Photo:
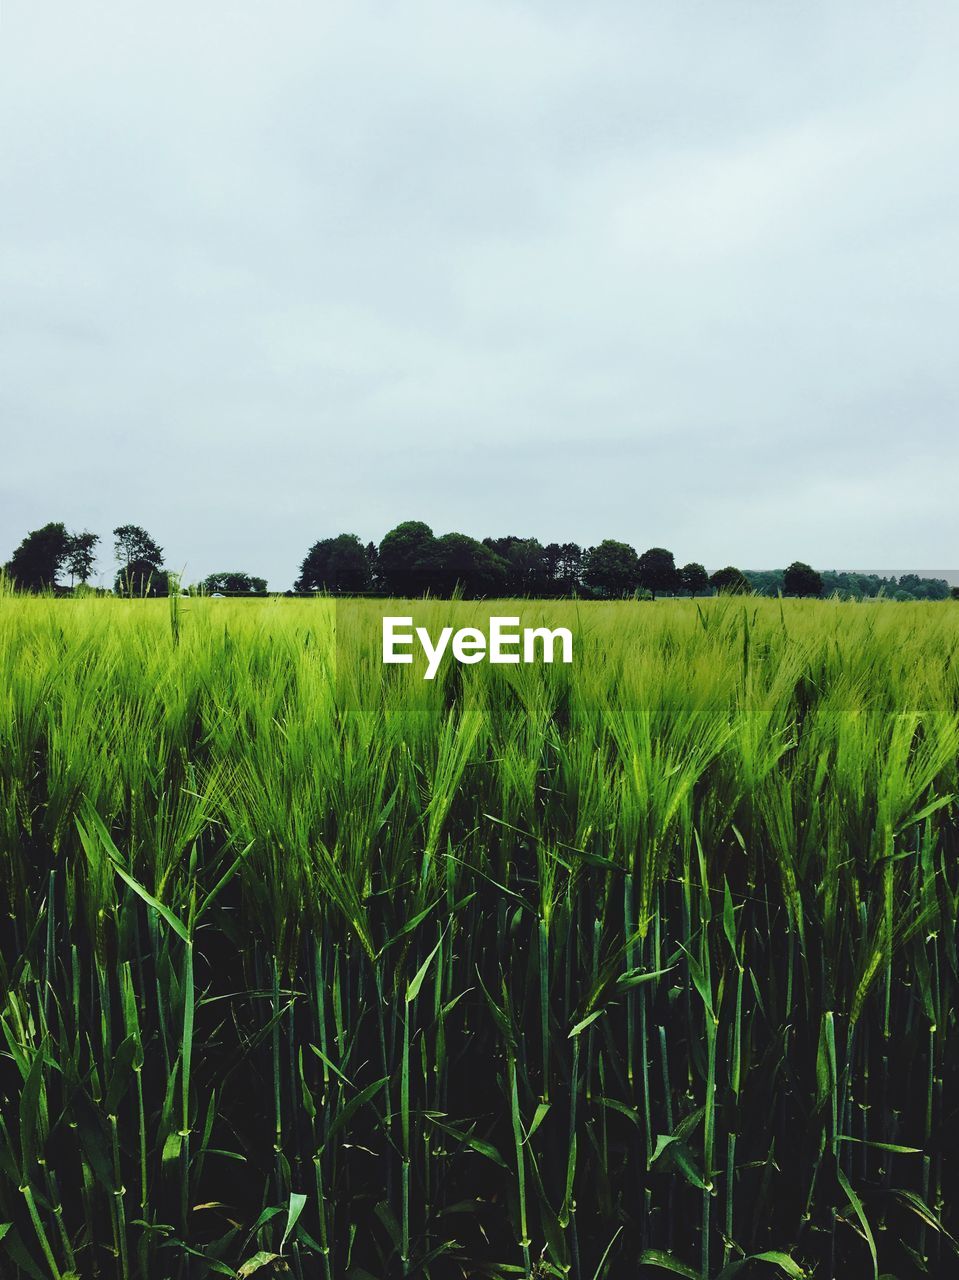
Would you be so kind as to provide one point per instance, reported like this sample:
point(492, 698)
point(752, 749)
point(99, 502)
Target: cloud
point(684, 275)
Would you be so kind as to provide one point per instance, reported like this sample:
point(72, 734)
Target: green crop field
point(647, 962)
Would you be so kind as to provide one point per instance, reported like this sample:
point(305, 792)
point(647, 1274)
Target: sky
point(683, 274)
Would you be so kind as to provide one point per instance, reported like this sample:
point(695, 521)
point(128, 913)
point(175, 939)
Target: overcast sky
point(679, 274)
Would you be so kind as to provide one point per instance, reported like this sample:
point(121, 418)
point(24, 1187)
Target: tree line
point(47, 555)
point(413, 561)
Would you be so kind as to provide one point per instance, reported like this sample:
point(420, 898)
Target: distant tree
point(858, 586)
point(141, 578)
point(404, 558)
point(570, 568)
point(141, 570)
point(337, 564)
point(801, 580)
point(729, 581)
point(502, 546)
point(854, 586)
point(132, 542)
point(924, 588)
point(373, 560)
point(81, 555)
point(37, 561)
point(842, 585)
point(611, 568)
point(527, 572)
point(694, 579)
point(457, 561)
point(764, 582)
point(657, 571)
point(954, 593)
point(552, 559)
point(529, 569)
point(229, 583)
point(560, 564)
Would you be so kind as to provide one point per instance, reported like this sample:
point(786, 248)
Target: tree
point(131, 542)
point(924, 588)
point(404, 558)
point(611, 568)
point(552, 559)
point(657, 571)
point(141, 578)
point(527, 572)
point(527, 569)
point(337, 564)
point(765, 582)
point(801, 580)
point(37, 561)
point(569, 571)
point(141, 563)
point(234, 583)
point(373, 560)
point(457, 561)
point(694, 578)
point(81, 555)
point(729, 581)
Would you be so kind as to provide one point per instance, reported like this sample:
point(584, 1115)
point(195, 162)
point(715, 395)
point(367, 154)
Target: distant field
point(645, 961)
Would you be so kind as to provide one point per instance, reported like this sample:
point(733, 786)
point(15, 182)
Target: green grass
point(591, 970)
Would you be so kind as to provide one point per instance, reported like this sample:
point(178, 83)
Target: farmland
point(642, 962)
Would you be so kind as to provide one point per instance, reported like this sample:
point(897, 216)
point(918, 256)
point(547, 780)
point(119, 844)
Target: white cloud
point(680, 274)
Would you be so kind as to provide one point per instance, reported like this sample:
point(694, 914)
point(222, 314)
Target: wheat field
point(642, 964)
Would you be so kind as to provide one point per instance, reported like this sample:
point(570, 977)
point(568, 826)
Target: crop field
point(641, 964)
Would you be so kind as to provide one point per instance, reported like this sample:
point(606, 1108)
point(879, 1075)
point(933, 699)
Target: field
point(596, 970)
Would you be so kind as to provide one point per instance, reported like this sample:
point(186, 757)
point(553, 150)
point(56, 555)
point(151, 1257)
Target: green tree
point(373, 560)
point(141, 570)
point(694, 579)
point(457, 561)
point(81, 555)
point(657, 571)
point(569, 570)
point(404, 557)
point(233, 583)
point(801, 580)
point(764, 582)
point(552, 559)
point(526, 562)
point(337, 564)
point(141, 578)
point(924, 588)
point(729, 581)
point(132, 542)
point(611, 568)
point(38, 560)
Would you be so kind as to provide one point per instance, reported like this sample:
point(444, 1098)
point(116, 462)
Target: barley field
point(640, 965)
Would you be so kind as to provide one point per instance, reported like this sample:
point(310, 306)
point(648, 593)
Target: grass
point(646, 963)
